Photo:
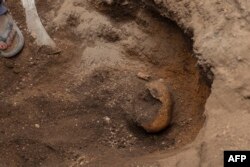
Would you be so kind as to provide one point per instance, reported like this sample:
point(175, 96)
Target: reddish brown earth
point(69, 107)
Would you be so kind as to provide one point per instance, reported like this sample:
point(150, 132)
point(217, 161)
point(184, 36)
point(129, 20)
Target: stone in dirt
point(107, 120)
point(144, 76)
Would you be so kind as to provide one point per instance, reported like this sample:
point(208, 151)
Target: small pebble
point(143, 76)
point(107, 120)
point(37, 125)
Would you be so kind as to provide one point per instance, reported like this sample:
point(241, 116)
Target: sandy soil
point(79, 105)
point(221, 38)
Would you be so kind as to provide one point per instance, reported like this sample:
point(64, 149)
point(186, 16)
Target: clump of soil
point(118, 9)
point(77, 106)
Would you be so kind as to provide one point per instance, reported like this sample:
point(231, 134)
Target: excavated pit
point(88, 98)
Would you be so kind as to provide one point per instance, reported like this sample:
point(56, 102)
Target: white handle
point(34, 24)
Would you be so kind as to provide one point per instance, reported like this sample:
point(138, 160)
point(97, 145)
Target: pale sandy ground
point(221, 32)
point(221, 38)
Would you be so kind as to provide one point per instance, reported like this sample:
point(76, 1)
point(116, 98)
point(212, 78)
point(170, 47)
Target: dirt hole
point(79, 106)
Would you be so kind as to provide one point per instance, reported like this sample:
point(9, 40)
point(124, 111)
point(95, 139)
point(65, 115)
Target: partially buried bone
point(162, 119)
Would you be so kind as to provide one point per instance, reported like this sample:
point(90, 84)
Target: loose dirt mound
point(78, 105)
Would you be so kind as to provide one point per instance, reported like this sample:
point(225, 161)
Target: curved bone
point(34, 24)
point(163, 118)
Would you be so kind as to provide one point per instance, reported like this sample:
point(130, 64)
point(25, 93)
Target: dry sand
point(221, 38)
point(72, 106)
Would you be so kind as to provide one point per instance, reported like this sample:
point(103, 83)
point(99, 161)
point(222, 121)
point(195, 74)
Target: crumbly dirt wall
point(221, 38)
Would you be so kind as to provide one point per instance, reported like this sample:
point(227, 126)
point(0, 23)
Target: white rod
point(34, 24)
